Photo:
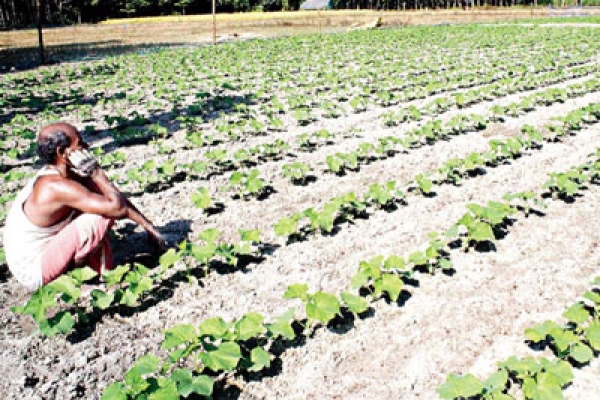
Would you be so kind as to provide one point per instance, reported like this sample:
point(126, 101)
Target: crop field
point(394, 214)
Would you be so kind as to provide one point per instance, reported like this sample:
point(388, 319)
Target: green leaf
point(62, 322)
point(188, 384)
point(296, 291)
point(394, 262)
point(116, 275)
point(249, 326)
point(581, 353)
point(215, 327)
point(481, 231)
point(169, 258)
point(179, 334)
point(355, 304)
point(282, 326)
point(81, 275)
point(522, 368)
point(201, 198)
point(147, 364)
point(592, 334)
point(592, 296)
point(67, 285)
point(101, 300)
point(460, 386)
point(359, 280)
point(540, 332)
point(445, 264)
point(392, 284)
point(166, 391)
point(250, 235)
point(417, 258)
point(209, 235)
point(562, 370)
point(496, 382)
point(546, 388)
point(577, 313)
point(224, 358)
point(322, 307)
point(260, 359)
point(114, 391)
point(285, 227)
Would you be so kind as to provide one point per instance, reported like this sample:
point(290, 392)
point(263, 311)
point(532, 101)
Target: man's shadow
point(130, 244)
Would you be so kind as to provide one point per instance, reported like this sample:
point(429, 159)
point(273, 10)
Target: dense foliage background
point(23, 13)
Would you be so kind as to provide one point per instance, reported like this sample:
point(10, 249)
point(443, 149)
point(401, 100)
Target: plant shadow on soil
point(340, 325)
point(135, 248)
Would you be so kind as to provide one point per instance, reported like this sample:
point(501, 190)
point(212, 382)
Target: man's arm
point(98, 195)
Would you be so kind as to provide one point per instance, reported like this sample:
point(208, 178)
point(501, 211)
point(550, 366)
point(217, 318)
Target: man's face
point(76, 141)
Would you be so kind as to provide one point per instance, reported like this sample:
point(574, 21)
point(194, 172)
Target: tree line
point(25, 13)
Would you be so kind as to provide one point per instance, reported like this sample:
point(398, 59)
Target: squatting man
point(60, 220)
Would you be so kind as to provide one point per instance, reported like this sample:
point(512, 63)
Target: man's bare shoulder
point(58, 186)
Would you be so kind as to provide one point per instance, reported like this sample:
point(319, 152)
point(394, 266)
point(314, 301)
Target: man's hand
point(157, 240)
point(83, 163)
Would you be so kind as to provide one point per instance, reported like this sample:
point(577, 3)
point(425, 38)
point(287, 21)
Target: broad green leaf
point(546, 388)
point(62, 322)
point(147, 364)
point(215, 327)
point(481, 231)
point(445, 264)
point(116, 275)
point(250, 326)
point(81, 275)
point(224, 358)
point(67, 285)
point(592, 296)
point(496, 382)
point(260, 359)
point(285, 227)
point(581, 353)
point(201, 198)
point(577, 314)
point(540, 332)
point(209, 235)
point(282, 326)
point(521, 367)
point(394, 261)
point(179, 334)
point(188, 384)
point(114, 391)
point(166, 391)
point(359, 280)
point(251, 235)
point(355, 304)
point(592, 334)
point(296, 291)
point(101, 300)
point(40, 301)
point(460, 386)
point(392, 284)
point(169, 258)
point(417, 258)
point(322, 307)
point(562, 370)
point(563, 339)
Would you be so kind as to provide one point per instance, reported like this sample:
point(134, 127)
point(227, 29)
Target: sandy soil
point(446, 324)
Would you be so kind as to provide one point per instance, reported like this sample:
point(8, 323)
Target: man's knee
point(92, 228)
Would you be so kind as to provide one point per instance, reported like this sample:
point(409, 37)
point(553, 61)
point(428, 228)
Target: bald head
point(53, 139)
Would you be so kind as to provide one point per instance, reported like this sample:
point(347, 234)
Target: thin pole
point(319, 18)
point(40, 38)
point(214, 13)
